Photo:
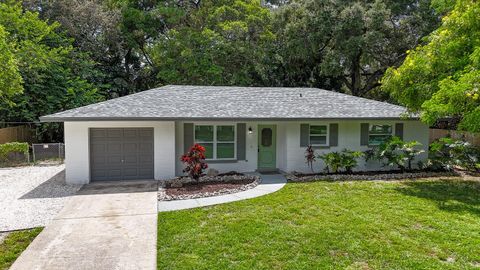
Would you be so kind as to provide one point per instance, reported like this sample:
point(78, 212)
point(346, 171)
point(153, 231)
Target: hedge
point(14, 147)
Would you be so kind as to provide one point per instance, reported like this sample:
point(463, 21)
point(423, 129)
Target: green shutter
point(399, 130)
point(304, 135)
point(364, 133)
point(241, 141)
point(187, 136)
point(333, 135)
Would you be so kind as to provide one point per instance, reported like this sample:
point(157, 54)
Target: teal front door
point(267, 147)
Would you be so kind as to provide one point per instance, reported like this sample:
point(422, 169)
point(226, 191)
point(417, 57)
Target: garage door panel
point(130, 147)
point(130, 133)
point(146, 133)
point(115, 174)
point(114, 133)
point(114, 147)
point(98, 133)
point(131, 160)
point(121, 153)
point(145, 159)
point(145, 172)
point(98, 148)
point(144, 147)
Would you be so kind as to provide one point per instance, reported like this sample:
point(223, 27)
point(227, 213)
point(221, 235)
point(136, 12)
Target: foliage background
point(57, 55)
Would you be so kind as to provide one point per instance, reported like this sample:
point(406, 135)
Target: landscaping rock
point(163, 196)
point(292, 177)
point(212, 172)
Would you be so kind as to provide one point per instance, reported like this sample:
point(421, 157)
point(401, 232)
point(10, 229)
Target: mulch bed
point(207, 187)
point(182, 188)
point(368, 175)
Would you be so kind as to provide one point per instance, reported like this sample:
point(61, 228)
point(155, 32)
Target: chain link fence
point(48, 152)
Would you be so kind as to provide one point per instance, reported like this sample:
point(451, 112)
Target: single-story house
point(244, 129)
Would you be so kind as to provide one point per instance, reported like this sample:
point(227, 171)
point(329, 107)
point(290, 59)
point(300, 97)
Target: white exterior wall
point(291, 157)
point(168, 144)
point(349, 138)
point(248, 165)
point(77, 156)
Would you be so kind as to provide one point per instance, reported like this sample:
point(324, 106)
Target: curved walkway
point(269, 184)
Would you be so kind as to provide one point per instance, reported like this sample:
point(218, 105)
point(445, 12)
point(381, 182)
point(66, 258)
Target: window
point(219, 141)
point(379, 133)
point(266, 137)
point(318, 135)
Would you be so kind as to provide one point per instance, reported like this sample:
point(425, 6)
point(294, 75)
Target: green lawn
point(14, 245)
point(331, 225)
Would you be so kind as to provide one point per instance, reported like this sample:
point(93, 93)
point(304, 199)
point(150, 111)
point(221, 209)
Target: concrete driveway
point(109, 225)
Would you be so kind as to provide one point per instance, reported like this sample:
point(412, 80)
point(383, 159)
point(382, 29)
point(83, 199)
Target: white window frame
point(215, 141)
point(327, 135)
point(391, 134)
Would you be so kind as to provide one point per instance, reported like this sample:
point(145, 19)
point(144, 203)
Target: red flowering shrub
point(194, 161)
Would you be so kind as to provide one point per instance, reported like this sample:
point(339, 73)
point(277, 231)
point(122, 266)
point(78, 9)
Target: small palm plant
point(310, 157)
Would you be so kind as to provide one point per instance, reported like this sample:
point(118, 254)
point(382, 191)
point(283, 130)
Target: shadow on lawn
point(450, 195)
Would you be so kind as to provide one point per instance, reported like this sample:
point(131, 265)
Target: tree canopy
point(57, 54)
point(46, 73)
point(442, 78)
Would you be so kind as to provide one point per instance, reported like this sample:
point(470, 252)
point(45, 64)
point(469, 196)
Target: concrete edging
point(269, 184)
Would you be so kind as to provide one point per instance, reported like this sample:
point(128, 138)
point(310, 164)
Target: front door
point(267, 147)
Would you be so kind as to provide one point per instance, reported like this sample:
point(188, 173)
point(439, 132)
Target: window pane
point(380, 129)
point(208, 150)
point(377, 139)
point(225, 133)
point(267, 137)
point(204, 133)
point(318, 130)
point(225, 150)
point(318, 140)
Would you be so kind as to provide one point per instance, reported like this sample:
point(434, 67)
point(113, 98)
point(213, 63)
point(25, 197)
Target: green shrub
point(346, 160)
point(395, 152)
point(14, 147)
point(447, 152)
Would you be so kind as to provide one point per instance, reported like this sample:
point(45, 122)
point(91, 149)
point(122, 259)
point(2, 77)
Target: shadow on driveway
point(55, 187)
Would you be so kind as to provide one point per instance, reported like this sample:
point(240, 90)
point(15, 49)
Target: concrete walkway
point(110, 225)
point(269, 184)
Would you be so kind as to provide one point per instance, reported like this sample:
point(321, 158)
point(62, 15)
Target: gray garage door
point(121, 153)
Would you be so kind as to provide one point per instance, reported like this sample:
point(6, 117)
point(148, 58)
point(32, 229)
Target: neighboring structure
point(142, 136)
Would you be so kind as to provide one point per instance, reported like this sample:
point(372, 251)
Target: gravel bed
point(368, 176)
point(163, 196)
point(31, 196)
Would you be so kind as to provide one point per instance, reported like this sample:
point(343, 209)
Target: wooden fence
point(473, 138)
point(17, 134)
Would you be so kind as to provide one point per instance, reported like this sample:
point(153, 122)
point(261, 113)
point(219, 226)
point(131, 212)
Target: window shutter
point(364, 133)
point(333, 135)
point(304, 135)
point(187, 136)
point(241, 141)
point(399, 130)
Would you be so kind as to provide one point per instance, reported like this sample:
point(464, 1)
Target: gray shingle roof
point(218, 102)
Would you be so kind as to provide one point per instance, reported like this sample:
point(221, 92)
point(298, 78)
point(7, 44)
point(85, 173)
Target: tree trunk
point(355, 76)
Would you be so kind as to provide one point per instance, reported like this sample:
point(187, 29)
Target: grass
point(14, 244)
point(421, 224)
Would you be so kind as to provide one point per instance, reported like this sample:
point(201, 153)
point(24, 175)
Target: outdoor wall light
point(250, 131)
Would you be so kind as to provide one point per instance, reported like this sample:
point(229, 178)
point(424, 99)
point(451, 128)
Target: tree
point(54, 76)
point(442, 78)
point(10, 78)
point(214, 43)
point(340, 44)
